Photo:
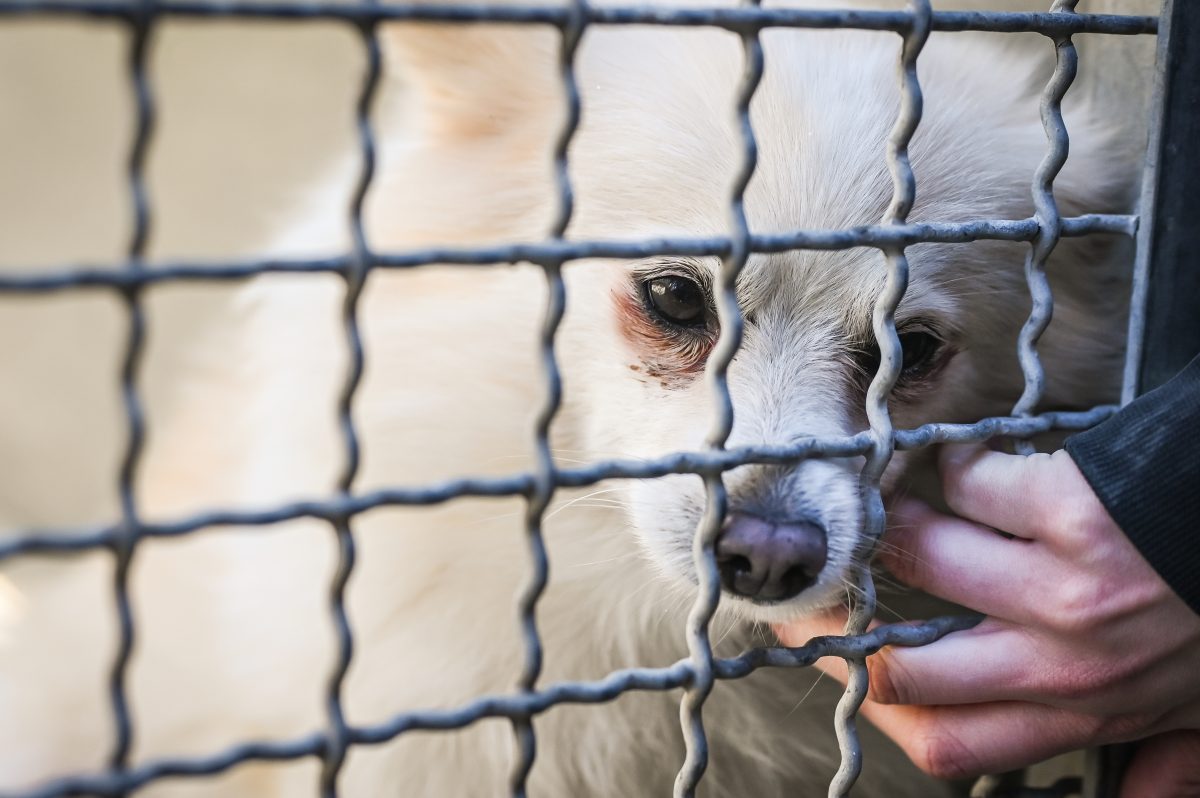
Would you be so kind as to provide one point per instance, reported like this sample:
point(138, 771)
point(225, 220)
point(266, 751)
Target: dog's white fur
point(234, 636)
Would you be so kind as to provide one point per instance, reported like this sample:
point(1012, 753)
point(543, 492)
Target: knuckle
point(1092, 684)
point(1034, 469)
point(1071, 523)
point(1073, 519)
point(940, 753)
point(1122, 727)
point(1037, 467)
point(1082, 685)
point(1077, 606)
point(1088, 730)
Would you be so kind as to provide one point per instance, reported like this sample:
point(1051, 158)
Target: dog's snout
point(768, 561)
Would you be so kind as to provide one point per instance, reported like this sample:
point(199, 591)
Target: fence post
point(1164, 324)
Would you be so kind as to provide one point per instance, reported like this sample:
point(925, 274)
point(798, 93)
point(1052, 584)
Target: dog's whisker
point(628, 555)
point(803, 698)
point(734, 622)
point(894, 613)
point(586, 497)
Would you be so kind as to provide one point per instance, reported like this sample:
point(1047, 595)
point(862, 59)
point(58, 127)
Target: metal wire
point(542, 252)
point(124, 541)
point(503, 706)
point(1049, 221)
point(698, 673)
point(891, 359)
point(545, 477)
point(740, 19)
point(731, 324)
point(83, 539)
point(355, 277)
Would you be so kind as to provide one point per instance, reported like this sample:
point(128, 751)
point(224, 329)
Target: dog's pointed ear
point(476, 80)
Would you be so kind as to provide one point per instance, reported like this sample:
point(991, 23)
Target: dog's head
point(656, 155)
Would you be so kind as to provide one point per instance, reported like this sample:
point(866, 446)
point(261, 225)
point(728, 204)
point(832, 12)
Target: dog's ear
point(476, 80)
point(467, 131)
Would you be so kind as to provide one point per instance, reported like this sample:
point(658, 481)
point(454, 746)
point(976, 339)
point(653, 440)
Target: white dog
point(234, 635)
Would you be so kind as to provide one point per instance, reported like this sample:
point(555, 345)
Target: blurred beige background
point(248, 114)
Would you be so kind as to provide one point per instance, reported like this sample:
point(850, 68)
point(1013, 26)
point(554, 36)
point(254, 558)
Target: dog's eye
point(678, 300)
point(923, 353)
point(920, 352)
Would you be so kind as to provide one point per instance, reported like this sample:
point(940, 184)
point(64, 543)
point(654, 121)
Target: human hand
point(1083, 643)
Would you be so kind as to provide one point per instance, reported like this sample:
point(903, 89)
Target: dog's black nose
point(768, 561)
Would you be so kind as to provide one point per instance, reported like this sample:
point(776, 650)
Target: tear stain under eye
point(675, 358)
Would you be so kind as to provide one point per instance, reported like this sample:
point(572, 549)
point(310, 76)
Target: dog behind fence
point(698, 674)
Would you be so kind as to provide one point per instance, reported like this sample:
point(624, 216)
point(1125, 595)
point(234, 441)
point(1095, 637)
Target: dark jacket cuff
point(1144, 465)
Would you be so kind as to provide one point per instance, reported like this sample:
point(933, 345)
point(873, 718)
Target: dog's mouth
point(811, 601)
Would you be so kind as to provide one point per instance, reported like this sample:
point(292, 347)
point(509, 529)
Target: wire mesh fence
point(697, 674)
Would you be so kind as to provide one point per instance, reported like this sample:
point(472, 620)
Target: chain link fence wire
point(697, 674)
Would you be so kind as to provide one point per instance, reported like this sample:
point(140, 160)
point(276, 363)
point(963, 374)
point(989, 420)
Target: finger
point(1004, 491)
point(986, 663)
point(990, 662)
point(1166, 766)
point(962, 741)
point(965, 563)
point(999, 661)
point(971, 739)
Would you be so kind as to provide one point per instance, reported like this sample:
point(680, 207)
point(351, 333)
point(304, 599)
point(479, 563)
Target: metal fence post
point(1164, 326)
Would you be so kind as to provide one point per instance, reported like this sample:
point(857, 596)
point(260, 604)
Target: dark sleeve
point(1144, 464)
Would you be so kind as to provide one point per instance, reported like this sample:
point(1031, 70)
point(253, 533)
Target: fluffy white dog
point(235, 640)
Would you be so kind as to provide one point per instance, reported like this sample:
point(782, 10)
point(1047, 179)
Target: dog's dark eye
point(923, 352)
point(678, 300)
point(920, 352)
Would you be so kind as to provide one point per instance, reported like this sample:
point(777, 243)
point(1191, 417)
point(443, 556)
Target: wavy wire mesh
point(697, 674)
